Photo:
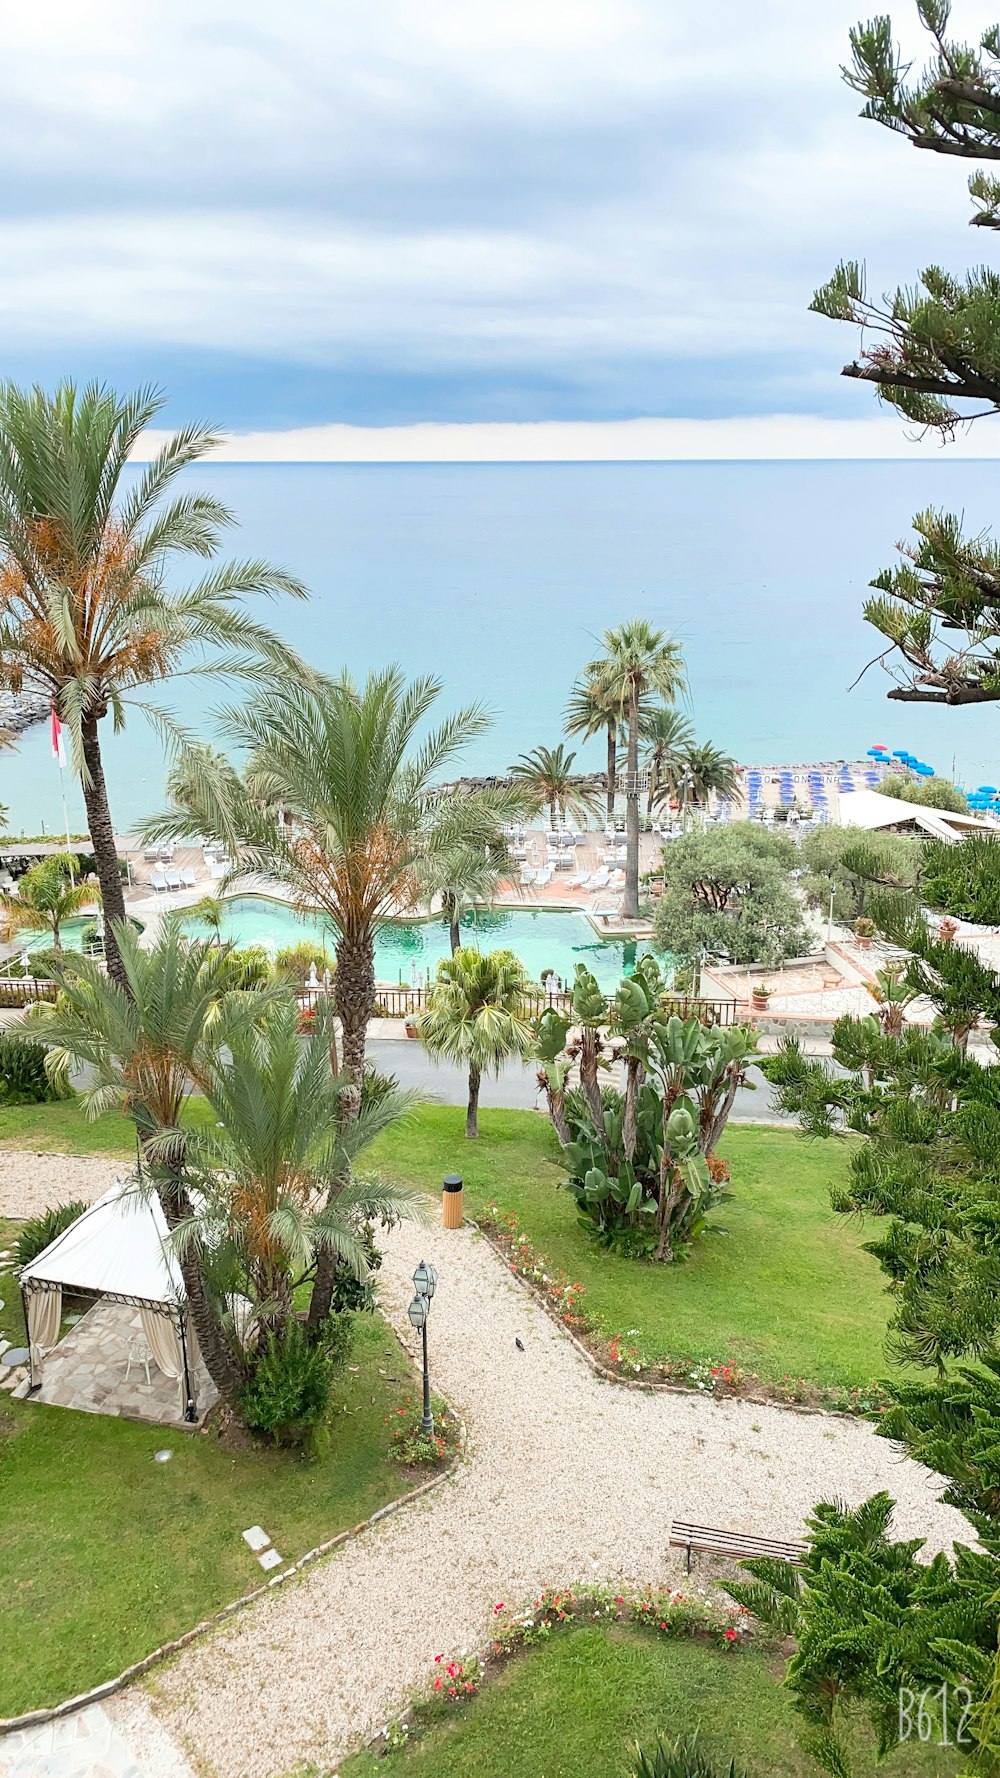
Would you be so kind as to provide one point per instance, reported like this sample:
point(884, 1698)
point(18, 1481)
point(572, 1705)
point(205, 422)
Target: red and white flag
point(58, 750)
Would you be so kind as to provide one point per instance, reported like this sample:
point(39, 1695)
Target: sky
point(462, 227)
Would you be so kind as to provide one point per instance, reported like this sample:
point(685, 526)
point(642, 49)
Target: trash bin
point(452, 1200)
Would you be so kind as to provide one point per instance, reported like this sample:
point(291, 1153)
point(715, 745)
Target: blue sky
point(472, 211)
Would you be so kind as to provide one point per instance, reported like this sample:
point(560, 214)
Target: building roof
point(871, 810)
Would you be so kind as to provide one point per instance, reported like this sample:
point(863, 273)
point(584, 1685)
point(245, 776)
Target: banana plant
point(551, 1032)
point(591, 1014)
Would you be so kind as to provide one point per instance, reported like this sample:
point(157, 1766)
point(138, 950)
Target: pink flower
point(439, 1657)
point(438, 1683)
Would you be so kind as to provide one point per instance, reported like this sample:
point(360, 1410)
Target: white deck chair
point(188, 879)
point(158, 882)
point(173, 878)
point(600, 879)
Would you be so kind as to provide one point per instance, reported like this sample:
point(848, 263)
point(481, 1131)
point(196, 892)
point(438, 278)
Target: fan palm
point(147, 1047)
point(667, 737)
point(546, 773)
point(47, 897)
point(638, 662)
point(273, 1175)
point(85, 613)
point(479, 1015)
point(365, 818)
point(592, 710)
point(706, 768)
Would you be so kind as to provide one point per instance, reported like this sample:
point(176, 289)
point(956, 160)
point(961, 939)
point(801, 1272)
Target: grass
point(106, 1554)
point(577, 1704)
point(62, 1128)
point(788, 1292)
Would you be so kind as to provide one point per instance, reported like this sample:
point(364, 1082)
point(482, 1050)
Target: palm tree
point(366, 818)
point(667, 736)
point(706, 768)
point(209, 912)
point(462, 878)
point(547, 774)
point(47, 897)
point(85, 613)
point(639, 662)
point(478, 1014)
point(275, 1152)
point(591, 710)
point(149, 1046)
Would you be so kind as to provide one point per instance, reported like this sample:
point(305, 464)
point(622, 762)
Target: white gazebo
point(119, 1252)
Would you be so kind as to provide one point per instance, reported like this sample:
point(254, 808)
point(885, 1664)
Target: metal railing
point(397, 1003)
point(24, 991)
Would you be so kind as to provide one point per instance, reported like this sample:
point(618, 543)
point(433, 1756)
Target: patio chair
point(580, 882)
point(188, 879)
point(137, 1353)
point(173, 879)
point(219, 868)
point(600, 879)
point(158, 882)
point(544, 877)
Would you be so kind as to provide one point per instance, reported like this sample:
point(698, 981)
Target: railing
point(24, 991)
point(396, 1003)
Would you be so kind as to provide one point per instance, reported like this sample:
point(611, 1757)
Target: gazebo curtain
point(44, 1317)
point(163, 1337)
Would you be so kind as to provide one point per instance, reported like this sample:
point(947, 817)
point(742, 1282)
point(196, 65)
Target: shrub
point(23, 1080)
point(288, 1395)
point(349, 1291)
point(682, 1758)
point(36, 1234)
point(294, 960)
point(248, 967)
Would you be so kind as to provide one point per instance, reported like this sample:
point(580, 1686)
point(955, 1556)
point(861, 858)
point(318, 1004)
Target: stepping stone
point(15, 1355)
point(270, 1559)
point(257, 1538)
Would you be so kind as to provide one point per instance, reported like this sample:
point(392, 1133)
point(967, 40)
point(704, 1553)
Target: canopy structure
point(118, 1249)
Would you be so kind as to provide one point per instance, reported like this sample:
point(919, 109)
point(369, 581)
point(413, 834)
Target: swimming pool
point(405, 949)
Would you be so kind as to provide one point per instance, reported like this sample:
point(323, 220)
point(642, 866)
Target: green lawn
point(105, 1554)
point(787, 1292)
point(576, 1705)
point(61, 1127)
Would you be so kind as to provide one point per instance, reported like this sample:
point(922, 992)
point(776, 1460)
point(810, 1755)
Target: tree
point(844, 863)
point(478, 1015)
point(85, 611)
point(641, 1164)
point(366, 816)
point(964, 881)
point(209, 912)
point(667, 737)
point(930, 793)
point(926, 349)
point(47, 897)
point(546, 773)
point(593, 710)
point(639, 662)
point(463, 877)
point(727, 894)
point(704, 769)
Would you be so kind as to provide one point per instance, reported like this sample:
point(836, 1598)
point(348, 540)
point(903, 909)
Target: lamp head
point(425, 1280)
point(417, 1312)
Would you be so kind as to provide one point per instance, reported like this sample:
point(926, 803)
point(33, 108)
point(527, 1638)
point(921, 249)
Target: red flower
point(438, 1683)
point(439, 1657)
point(731, 1635)
point(497, 1609)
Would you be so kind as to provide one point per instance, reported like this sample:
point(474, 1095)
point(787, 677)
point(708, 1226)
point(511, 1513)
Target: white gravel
point(566, 1476)
point(31, 1182)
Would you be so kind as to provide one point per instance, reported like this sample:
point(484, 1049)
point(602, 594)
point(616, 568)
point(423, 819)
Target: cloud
point(581, 192)
point(762, 437)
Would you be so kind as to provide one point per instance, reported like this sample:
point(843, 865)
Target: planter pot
point(864, 944)
point(759, 1004)
point(411, 1030)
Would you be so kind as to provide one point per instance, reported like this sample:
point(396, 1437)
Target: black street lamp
point(424, 1283)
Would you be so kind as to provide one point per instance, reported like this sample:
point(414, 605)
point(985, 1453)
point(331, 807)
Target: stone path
point(566, 1476)
point(31, 1182)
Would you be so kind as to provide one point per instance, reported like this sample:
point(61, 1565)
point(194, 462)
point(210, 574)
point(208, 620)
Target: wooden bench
point(709, 1540)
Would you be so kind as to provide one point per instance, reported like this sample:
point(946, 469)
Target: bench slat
point(714, 1540)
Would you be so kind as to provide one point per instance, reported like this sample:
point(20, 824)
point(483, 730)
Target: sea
point(500, 578)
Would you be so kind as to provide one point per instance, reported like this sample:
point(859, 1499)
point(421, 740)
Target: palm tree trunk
point(220, 1362)
point(354, 998)
point(630, 907)
point(472, 1114)
point(612, 769)
point(553, 823)
point(654, 784)
point(454, 923)
point(102, 838)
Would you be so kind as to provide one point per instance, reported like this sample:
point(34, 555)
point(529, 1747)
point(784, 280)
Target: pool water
point(405, 949)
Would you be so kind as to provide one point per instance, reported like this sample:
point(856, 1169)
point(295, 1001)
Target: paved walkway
point(566, 1476)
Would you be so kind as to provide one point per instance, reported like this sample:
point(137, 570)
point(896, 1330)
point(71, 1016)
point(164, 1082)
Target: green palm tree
point(148, 1046)
point(478, 1014)
point(667, 736)
point(546, 773)
point(367, 817)
point(592, 710)
point(639, 662)
point(47, 897)
point(463, 878)
point(275, 1186)
point(705, 768)
point(85, 611)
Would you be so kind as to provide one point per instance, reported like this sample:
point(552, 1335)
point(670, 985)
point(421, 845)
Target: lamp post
point(424, 1283)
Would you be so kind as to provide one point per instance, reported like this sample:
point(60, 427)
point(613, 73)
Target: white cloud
point(763, 436)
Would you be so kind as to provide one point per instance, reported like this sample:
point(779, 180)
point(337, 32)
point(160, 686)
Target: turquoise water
point(542, 940)
point(499, 577)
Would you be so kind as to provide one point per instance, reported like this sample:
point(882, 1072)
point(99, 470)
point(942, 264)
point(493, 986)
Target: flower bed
point(414, 1448)
point(620, 1357)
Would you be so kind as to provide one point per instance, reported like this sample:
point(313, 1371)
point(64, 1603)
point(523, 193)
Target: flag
point(58, 750)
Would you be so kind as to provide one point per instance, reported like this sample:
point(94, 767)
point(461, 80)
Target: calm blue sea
point(500, 578)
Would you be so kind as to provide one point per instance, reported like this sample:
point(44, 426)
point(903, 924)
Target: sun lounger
point(527, 876)
point(544, 877)
point(188, 879)
point(582, 882)
point(158, 882)
point(219, 868)
point(151, 854)
point(173, 879)
point(600, 879)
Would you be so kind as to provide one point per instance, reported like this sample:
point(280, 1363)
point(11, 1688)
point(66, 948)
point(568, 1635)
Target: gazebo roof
point(118, 1247)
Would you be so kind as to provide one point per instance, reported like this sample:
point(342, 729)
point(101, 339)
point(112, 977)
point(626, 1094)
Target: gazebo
point(118, 1251)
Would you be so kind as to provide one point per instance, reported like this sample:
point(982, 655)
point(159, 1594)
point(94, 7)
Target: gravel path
point(32, 1182)
point(566, 1476)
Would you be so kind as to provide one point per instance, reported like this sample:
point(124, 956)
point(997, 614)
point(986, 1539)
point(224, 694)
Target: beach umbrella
point(900, 753)
point(875, 752)
point(986, 790)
